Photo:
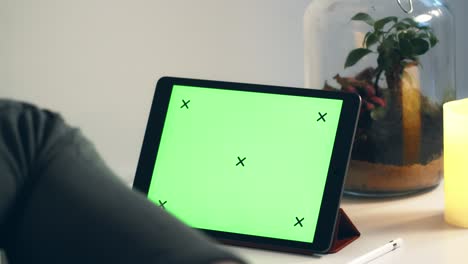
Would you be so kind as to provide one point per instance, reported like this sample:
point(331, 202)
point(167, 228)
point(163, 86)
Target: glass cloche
point(399, 56)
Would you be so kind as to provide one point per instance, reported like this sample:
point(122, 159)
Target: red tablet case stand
point(345, 232)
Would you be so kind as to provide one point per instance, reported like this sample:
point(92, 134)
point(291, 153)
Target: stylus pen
point(378, 252)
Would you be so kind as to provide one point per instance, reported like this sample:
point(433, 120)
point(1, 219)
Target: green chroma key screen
point(245, 162)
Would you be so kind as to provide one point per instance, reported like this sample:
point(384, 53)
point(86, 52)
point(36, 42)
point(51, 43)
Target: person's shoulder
point(15, 105)
point(15, 113)
point(11, 107)
point(9, 104)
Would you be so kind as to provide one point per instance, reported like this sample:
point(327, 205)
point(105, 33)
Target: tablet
point(254, 165)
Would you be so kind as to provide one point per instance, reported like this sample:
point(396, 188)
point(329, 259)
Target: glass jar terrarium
point(399, 56)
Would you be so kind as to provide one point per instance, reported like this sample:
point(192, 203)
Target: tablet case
point(345, 232)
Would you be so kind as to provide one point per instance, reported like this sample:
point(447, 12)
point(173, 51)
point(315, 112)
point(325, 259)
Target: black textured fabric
point(60, 203)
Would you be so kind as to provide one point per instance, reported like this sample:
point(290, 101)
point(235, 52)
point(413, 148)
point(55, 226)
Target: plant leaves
point(433, 39)
point(371, 39)
point(407, 34)
point(423, 35)
point(406, 49)
point(380, 24)
point(402, 26)
point(365, 38)
point(384, 62)
point(410, 22)
point(387, 45)
point(355, 56)
point(363, 17)
point(419, 46)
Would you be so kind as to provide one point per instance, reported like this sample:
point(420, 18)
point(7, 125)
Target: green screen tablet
point(249, 164)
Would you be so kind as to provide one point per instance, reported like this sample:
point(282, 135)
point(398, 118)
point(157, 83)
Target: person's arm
point(60, 203)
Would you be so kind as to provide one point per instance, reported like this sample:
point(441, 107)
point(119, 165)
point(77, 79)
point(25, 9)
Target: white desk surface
point(417, 219)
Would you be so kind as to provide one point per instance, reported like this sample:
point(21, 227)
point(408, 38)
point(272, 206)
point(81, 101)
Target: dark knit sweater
point(60, 203)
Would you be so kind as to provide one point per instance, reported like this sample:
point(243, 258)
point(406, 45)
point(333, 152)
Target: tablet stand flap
point(345, 232)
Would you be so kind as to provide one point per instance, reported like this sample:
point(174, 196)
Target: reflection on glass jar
point(399, 56)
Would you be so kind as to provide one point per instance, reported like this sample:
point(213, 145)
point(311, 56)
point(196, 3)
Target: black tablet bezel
point(336, 174)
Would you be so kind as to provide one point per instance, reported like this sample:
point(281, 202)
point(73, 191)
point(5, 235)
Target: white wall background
point(96, 61)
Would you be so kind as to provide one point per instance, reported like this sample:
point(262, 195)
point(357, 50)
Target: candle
point(456, 162)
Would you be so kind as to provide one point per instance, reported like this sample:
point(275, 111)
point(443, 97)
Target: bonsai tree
point(398, 43)
point(398, 142)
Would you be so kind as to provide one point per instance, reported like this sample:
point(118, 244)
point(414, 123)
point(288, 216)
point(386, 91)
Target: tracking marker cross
point(185, 103)
point(322, 117)
point(299, 221)
point(161, 204)
point(241, 161)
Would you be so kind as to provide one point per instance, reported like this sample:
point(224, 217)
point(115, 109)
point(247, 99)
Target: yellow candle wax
point(456, 162)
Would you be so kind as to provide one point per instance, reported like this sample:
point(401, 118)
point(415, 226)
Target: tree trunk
point(406, 104)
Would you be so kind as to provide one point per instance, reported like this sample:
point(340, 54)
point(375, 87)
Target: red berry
point(370, 89)
point(377, 100)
